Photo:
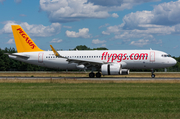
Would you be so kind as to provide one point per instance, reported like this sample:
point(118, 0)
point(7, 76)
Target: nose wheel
point(152, 73)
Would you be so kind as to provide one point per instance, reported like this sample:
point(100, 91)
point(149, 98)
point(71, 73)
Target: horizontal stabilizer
point(18, 55)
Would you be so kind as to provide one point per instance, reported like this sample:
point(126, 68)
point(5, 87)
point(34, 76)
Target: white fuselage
point(130, 59)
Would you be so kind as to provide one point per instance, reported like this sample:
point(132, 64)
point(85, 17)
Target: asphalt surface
point(87, 78)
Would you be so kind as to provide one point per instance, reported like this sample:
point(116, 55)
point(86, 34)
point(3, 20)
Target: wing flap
point(84, 61)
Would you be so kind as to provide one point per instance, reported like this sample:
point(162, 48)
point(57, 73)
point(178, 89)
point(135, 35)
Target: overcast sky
point(114, 24)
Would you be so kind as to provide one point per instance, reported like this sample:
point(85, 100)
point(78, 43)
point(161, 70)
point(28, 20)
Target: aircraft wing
point(85, 62)
point(91, 63)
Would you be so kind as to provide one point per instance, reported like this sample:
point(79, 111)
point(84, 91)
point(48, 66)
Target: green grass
point(108, 100)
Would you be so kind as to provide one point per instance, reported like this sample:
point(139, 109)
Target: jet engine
point(124, 71)
point(80, 66)
point(113, 69)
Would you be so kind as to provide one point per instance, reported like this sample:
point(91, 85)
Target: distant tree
point(84, 47)
point(81, 47)
point(2, 65)
point(101, 48)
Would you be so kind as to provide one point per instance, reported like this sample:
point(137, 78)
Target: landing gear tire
point(98, 75)
point(153, 75)
point(91, 75)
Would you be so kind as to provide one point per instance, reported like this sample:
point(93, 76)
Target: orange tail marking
point(23, 42)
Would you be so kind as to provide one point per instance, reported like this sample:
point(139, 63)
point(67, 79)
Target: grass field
point(90, 100)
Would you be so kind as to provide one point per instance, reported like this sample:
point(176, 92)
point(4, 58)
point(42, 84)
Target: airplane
point(105, 62)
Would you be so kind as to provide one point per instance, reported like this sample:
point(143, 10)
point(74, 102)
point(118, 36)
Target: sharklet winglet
point(56, 53)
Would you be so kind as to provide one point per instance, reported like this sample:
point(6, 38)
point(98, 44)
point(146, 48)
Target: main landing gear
point(92, 75)
point(152, 73)
point(98, 75)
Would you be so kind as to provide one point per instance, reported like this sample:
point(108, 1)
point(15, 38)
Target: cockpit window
point(165, 55)
point(169, 55)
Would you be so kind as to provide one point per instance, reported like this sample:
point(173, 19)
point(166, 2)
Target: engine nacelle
point(80, 66)
point(124, 71)
point(111, 69)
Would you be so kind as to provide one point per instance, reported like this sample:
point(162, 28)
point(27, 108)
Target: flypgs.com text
point(28, 40)
point(119, 57)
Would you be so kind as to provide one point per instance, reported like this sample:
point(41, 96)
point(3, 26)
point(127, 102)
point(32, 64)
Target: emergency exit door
point(40, 57)
point(152, 56)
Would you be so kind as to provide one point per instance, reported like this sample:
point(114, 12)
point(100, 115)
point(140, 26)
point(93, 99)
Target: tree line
point(8, 64)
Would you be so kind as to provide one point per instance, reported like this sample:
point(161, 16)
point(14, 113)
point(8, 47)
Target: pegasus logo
point(28, 40)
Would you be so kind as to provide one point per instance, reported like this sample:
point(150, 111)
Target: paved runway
point(87, 78)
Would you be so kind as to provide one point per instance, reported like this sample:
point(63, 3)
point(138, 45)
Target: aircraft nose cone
point(173, 62)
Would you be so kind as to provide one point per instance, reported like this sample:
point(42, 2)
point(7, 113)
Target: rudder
point(23, 42)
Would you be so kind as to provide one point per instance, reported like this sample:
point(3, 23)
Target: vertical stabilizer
point(23, 42)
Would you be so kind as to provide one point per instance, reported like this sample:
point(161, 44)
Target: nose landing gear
point(152, 73)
